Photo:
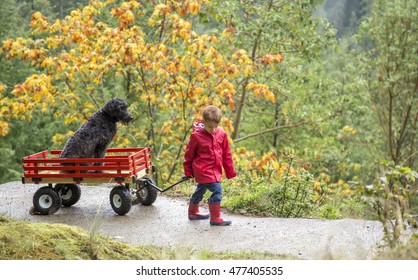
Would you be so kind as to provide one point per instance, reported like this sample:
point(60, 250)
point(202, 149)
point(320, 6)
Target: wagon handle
point(175, 184)
point(149, 182)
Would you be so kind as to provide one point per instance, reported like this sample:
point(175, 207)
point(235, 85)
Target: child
point(206, 153)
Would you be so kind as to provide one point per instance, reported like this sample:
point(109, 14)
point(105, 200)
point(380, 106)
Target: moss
point(42, 241)
point(20, 240)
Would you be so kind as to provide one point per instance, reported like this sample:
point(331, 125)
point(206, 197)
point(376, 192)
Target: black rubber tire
point(147, 194)
point(121, 200)
point(46, 201)
point(70, 194)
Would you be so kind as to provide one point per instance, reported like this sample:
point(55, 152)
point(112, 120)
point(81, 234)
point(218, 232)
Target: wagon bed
point(118, 165)
point(64, 175)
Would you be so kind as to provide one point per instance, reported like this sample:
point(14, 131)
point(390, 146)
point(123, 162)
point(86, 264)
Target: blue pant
point(214, 188)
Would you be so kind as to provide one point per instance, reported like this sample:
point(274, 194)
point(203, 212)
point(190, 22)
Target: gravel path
point(165, 223)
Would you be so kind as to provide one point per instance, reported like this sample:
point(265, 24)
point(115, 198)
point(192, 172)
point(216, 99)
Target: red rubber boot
point(194, 213)
point(215, 216)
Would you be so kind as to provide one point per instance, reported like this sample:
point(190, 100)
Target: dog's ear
point(122, 106)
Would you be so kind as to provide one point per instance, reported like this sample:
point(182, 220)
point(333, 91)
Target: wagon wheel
point(120, 200)
point(70, 193)
point(146, 194)
point(46, 201)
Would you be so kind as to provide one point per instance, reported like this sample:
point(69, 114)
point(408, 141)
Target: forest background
point(318, 97)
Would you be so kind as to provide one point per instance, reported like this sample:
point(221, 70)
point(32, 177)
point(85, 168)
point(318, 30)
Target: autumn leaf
point(39, 22)
point(193, 7)
point(2, 88)
point(228, 32)
point(82, 61)
point(261, 90)
point(270, 59)
point(4, 128)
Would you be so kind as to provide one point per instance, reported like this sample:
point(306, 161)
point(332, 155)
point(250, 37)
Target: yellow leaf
point(197, 90)
point(261, 90)
point(47, 62)
point(248, 71)
point(7, 45)
point(194, 7)
point(233, 71)
point(4, 128)
point(151, 22)
point(2, 88)
point(269, 59)
point(250, 86)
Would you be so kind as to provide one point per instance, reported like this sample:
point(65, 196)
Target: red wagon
point(63, 176)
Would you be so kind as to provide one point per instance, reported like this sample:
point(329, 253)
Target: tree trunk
point(243, 98)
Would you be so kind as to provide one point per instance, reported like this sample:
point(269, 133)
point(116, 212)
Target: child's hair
point(212, 113)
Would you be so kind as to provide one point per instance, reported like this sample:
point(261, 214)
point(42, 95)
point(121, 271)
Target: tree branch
point(271, 130)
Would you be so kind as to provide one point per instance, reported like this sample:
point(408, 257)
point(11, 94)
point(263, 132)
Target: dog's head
point(117, 109)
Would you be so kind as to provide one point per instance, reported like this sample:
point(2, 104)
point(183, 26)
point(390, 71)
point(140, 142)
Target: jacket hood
point(198, 125)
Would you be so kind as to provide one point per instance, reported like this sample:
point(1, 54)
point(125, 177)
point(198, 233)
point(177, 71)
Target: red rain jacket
point(206, 154)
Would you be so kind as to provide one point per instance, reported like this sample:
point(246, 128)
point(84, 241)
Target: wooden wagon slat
point(111, 150)
point(59, 168)
point(46, 167)
point(55, 180)
point(80, 175)
point(42, 154)
point(75, 160)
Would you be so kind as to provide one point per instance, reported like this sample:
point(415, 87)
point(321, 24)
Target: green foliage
point(388, 69)
point(12, 23)
point(342, 109)
point(291, 196)
point(345, 146)
point(9, 18)
point(262, 27)
point(390, 198)
point(343, 201)
point(26, 138)
point(289, 191)
point(404, 252)
point(390, 43)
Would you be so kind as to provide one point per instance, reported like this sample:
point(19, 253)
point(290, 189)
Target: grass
point(409, 252)
point(21, 240)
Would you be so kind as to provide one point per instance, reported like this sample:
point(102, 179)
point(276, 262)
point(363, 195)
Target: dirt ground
point(165, 223)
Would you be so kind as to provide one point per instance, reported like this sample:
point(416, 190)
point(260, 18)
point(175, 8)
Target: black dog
point(93, 137)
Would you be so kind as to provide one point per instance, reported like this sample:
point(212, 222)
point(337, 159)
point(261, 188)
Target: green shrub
point(390, 197)
point(292, 195)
